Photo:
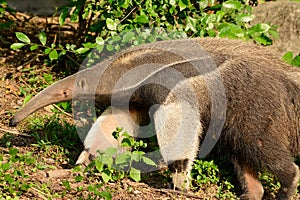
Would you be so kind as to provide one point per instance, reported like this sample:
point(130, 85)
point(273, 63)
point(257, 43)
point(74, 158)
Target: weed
point(206, 174)
point(14, 181)
point(114, 166)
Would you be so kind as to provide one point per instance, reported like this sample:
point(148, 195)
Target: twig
point(40, 193)
point(31, 60)
point(73, 60)
point(4, 150)
point(14, 132)
point(61, 110)
point(130, 13)
point(54, 40)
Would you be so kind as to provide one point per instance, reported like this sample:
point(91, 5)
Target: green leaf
point(99, 41)
point(81, 50)
point(67, 185)
point(110, 152)
point(262, 40)
point(26, 99)
point(13, 151)
point(231, 4)
point(53, 55)
point(9, 179)
point(125, 3)
point(183, 4)
point(116, 135)
point(191, 24)
point(288, 57)
point(5, 166)
point(62, 52)
point(64, 105)
point(106, 175)
point(148, 161)
point(127, 142)
point(106, 195)
point(22, 37)
point(142, 19)
point(43, 38)
point(219, 15)
point(135, 174)
point(34, 47)
point(110, 47)
point(16, 46)
point(172, 2)
point(47, 50)
point(296, 61)
point(79, 178)
point(89, 45)
point(245, 18)
point(274, 33)
point(99, 164)
point(22, 91)
point(123, 159)
point(48, 78)
point(63, 16)
point(137, 155)
point(111, 24)
point(203, 4)
point(264, 27)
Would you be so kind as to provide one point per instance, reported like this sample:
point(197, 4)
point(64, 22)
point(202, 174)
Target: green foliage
point(55, 131)
point(111, 25)
point(113, 165)
point(289, 58)
point(3, 4)
point(14, 181)
point(3, 8)
point(205, 174)
point(270, 181)
point(95, 190)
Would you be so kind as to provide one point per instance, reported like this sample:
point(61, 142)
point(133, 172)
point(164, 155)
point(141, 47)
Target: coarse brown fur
point(261, 129)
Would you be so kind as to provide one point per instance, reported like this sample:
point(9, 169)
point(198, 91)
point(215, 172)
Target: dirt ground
point(12, 78)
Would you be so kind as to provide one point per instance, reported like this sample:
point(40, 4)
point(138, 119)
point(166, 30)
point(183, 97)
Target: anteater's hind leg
point(288, 176)
point(249, 180)
point(279, 161)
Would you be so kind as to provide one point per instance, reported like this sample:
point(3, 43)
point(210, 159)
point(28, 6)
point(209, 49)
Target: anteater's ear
point(82, 84)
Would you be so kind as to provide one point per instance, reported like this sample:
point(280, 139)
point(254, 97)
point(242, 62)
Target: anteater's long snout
point(58, 92)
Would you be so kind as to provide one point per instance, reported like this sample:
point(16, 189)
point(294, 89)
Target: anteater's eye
point(65, 93)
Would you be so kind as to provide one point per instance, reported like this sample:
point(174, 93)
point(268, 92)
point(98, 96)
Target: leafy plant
point(114, 166)
point(14, 181)
point(95, 190)
point(289, 58)
point(205, 174)
point(111, 25)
